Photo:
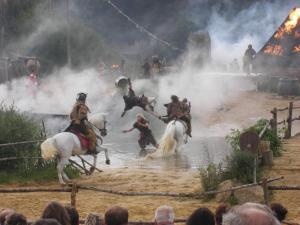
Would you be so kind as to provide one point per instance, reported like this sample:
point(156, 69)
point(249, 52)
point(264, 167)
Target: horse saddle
point(84, 141)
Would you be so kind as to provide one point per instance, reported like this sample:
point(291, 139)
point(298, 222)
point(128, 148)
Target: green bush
point(16, 127)
point(211, 177)
point(240, 167)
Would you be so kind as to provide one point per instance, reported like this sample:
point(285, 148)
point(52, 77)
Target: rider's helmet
point(174, 98)
point(81, 97)
point(249, 46)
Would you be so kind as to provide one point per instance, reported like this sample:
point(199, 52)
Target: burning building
point(281, 54)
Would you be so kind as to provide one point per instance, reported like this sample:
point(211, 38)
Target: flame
point(274, 50)
point(296, 48)
point(290, 24)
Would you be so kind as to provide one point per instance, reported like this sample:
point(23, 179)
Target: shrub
point(211, 177)
point(16, 127)
point(275, 141)
point(240, 167)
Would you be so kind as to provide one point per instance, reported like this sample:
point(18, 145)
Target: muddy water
point(196, 153)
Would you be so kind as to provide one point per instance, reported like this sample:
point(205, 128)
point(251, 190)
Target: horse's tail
point(48, 149)
point(168, 142)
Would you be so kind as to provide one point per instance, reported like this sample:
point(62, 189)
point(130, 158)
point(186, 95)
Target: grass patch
point(46, 173)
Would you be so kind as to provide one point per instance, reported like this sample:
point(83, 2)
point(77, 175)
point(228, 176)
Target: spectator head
point(220, 211)
point(15, 219)
point(94, 219)
point(46, 222)
point(73, 214)
point(54, 210)
point(250, 214)
point(201, 216)
point(279, 211)
point(116, 215)
point(3, 215)
point(164, 215)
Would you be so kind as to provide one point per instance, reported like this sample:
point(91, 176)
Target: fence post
point(265, 189)
point(274, 121)
point(289, 120)
point(73, 195)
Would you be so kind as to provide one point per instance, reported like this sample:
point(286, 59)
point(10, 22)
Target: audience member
point(46, 222)
point(201, 216)
point(279, 211)
point(15, 219)
point(73, 214)
point(94, 219)
point(3, 215)
point(164, 215)
point(250, 214)
point(116, 215)
point(55, 210)
point(220, 211)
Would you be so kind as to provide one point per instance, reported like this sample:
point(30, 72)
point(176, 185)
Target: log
point(267, 158)
point(171, 194)
point(21, 143)
point(23, 190)
point(89, 164)
point(81, 167)
point(284, 187)
point(73, 195)
point(265, 189)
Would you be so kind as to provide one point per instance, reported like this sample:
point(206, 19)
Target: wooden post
point(289, 120)
point(274, 121)
point(265, 189)
point(73, 195)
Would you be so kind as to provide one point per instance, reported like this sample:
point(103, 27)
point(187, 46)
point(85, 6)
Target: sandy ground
point(243, 111)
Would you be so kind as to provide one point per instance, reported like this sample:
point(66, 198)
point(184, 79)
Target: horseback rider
point(177, 110)
point(146, 136)
point(79, 120)
point(131, 100)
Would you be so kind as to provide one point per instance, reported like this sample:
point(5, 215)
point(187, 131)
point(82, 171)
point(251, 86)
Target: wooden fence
point(289, 119)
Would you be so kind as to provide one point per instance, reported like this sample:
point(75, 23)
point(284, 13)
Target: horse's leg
point(100, 149)
point(60, 169)
point(94, 164)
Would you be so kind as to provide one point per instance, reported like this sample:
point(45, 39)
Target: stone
point(251, 194)
point(224, 196)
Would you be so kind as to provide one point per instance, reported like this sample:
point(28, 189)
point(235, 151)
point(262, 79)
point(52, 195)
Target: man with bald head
point(250, 214)
point(116, 215)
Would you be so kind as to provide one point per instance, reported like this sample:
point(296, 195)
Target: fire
point(296, 48)
point(290, 24)
point(274, 50)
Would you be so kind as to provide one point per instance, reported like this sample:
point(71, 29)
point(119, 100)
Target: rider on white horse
point(80, 125)
point(178, 110)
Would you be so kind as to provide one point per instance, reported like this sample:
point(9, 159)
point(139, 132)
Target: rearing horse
point(65, 144)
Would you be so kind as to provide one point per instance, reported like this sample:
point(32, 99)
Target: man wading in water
point(146, 136)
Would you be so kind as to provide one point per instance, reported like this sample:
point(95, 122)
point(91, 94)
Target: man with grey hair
point(164, 215)
point(250, 214)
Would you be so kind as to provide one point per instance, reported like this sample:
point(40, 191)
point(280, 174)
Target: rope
point(20, 143)
point(141, 28)
point(16, 158)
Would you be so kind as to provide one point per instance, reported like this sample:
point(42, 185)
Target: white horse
point(172, 140)
point(64, 145)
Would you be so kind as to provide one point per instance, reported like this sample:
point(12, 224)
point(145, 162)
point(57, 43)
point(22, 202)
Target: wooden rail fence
point(289, 119)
